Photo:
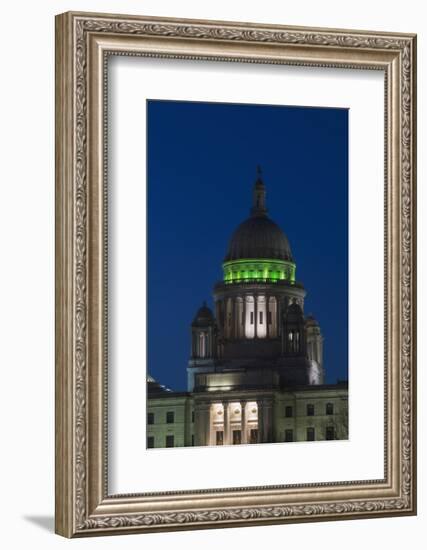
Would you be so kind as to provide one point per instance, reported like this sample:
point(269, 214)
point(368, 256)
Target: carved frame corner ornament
point(83, 42)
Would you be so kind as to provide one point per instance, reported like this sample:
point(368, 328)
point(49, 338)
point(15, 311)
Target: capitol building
point(256, 372)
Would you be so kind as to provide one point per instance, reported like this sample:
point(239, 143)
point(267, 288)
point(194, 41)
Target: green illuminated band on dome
point(236, 271)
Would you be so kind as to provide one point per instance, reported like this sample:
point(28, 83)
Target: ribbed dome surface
point(258, 237)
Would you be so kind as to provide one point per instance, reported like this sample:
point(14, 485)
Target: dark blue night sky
point(202, 160)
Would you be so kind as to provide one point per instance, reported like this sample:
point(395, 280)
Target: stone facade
point(256, 373)
point(318, 412)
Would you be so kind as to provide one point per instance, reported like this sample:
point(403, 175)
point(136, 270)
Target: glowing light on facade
point(233, 423)
point(238, 271)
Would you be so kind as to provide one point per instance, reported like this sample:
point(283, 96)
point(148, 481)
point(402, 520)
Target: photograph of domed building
point(256, 370)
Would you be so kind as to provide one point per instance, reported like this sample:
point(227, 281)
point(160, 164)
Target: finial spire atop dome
point(258, 206)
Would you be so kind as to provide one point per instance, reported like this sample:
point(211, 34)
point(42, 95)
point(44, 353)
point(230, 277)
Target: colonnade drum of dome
point(259, 270)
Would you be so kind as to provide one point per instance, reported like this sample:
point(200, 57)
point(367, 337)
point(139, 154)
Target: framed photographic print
point(235, 274)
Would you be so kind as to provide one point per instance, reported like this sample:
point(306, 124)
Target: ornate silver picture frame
point(84, 43)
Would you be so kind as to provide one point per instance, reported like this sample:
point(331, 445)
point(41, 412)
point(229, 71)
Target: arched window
point(291, 341)
point(294, 341)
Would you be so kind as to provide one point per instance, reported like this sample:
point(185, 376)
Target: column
point(267, 417)
point(188, 426)
point(274, 329)
point(244, 427)
point(226, 424)
point(211, 430)
point(244, 317)
point(260, 422)
point(224, 316)
point(239, 309)
point(218, 313)
point(202, 424)
point(255, 314)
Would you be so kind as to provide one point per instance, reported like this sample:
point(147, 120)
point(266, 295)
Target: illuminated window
point(170, 441)
point(170, 417)
point(310, 410)
point(329, 408)
point(150, 418)
point(310, 434)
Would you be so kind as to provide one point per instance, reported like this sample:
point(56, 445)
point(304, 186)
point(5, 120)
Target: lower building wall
point(179, 426)
point(307, 414)
point(325, 412)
